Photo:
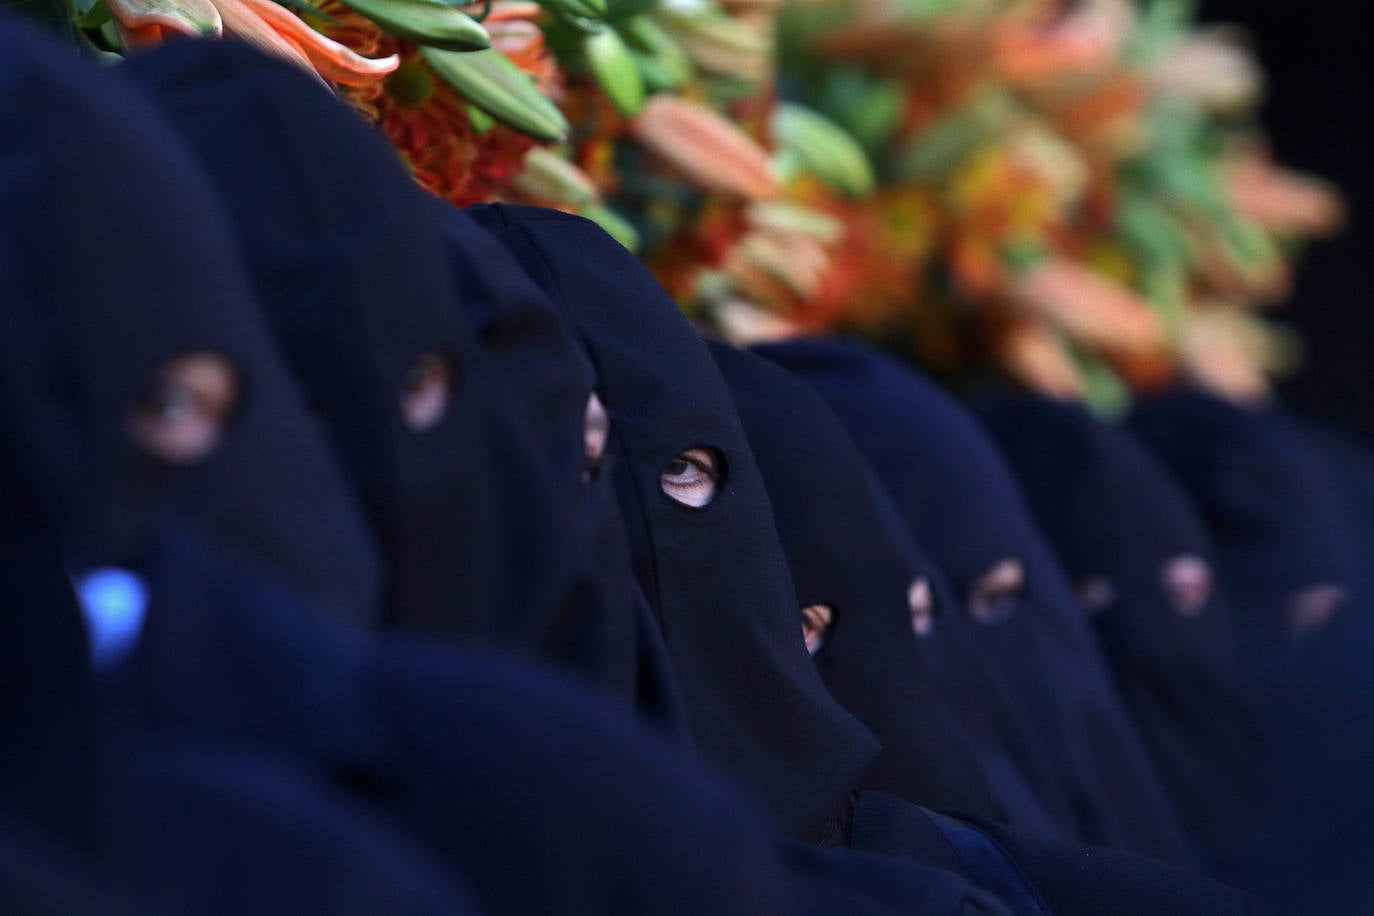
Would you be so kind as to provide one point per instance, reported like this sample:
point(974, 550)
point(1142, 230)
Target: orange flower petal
point(143, 37)
point(1221, 350)
point(743, 323)
point(1284, 201)
point(330, 59)
point(1087, 306)
point(1084, 40)
point(1036, 356)
point(1213, 70)
point(509, 11)
point(705, 148)
point(242, 23)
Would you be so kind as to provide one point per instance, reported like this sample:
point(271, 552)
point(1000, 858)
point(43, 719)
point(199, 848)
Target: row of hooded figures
point(362, 554)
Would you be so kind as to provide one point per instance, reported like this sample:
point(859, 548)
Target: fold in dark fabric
point(957, 495)
point(49, 770)
point(547, 804)
point(888, 884)
point(1293, 547)
point(1121, 525)
point(351, 271)
point(117, 819)
point(200, 829)
point(1074, 880)
point(895, 828)
point(38, 877)
point(545, 800)
point(541, 358)
point(716, 575)
point(845, 556)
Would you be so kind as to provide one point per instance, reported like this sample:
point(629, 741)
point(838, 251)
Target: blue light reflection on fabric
point(113, 601)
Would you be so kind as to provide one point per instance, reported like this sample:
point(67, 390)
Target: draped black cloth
point(716, 576)
point(1143, 561)
point(351, 271)
point(955, 491)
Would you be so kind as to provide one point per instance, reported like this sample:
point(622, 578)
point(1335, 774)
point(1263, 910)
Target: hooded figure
point(177, 827)
point(107, 818)
point(708, 556)
point(957, 494)
point(1272, 508)
point(1142, 563)
point(116, 435)
point(553, 802)
point(696, 530)
point(533, 343)
point(565, 805)
point(346, 259)
point(188, 828)
point(148, 417)
point(867, 603)
point(543, 362)
point(1293, 555)
point(705, 549)
point(542, 798)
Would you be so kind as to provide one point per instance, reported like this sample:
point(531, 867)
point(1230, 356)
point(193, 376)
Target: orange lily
point(1036, 355)
point(743, 323)
point(1048, 46)
point(1213, 70)
point(262, 23)
point(1086, 306)
point(1228, 351)
point(706, 148)
point(1281, 200)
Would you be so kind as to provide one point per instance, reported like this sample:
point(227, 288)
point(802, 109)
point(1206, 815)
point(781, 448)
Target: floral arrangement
point(1070, 193)
point(1097, 206)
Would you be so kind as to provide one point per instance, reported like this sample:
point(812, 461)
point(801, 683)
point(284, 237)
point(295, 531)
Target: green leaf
point(615, 70)
point(822, 148)
point(492, 83)
point(616, 226)
point(426, 22)
point(576, 9)
point(479, 119)
point(619, 10)
point(950, 138)
point(661, 60)
point(870, 108)
point(1160, 23)
point(305, 6)
point(95, 17)
point(1105, 392)
point(1148, 230)
point(917, 10)
point(1165, 287)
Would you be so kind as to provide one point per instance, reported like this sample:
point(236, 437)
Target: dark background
point(1319, 57)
